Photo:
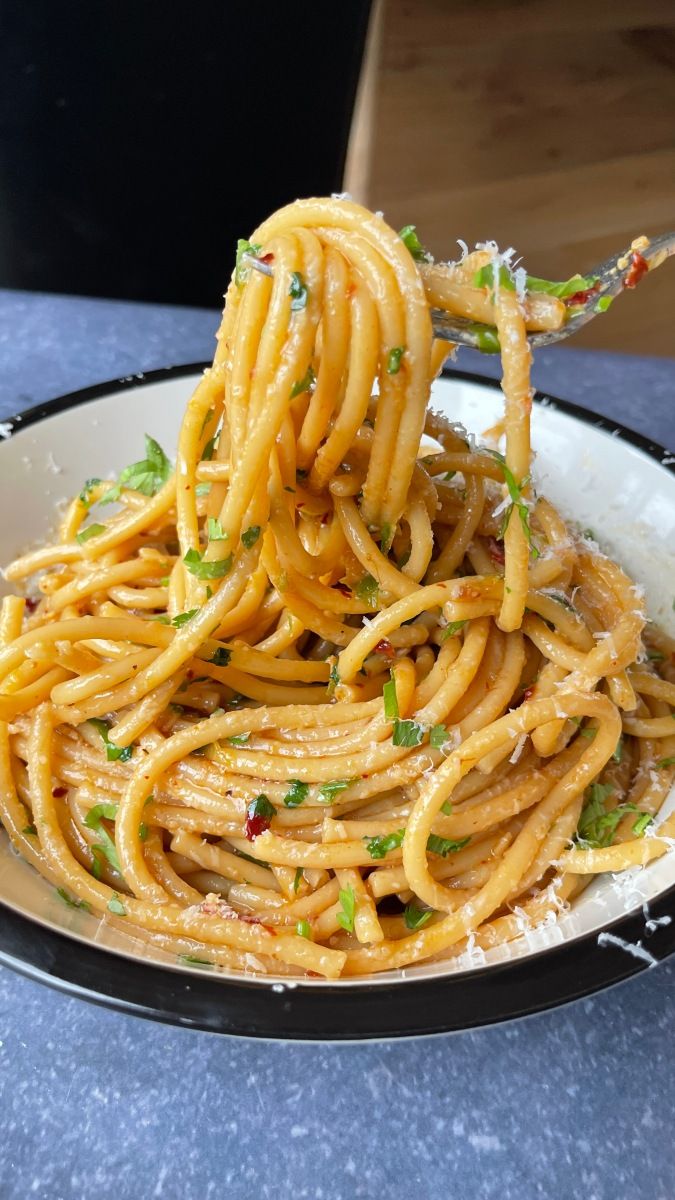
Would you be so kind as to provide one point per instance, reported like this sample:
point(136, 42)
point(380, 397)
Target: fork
point(610, 279)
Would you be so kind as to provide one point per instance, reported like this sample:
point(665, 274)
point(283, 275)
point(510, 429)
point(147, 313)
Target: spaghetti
point(340, 692)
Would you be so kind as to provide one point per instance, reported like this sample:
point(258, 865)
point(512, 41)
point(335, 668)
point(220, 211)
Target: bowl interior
point(600, 480)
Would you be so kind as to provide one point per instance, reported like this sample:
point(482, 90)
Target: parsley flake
point(296, 794)
point(146, 476)
point(366, 589)
point(90, 532)
point(407, 733)
point(72, 901)
point(241, 270)
point(345, 917)
point(408, 236)
point(445, 846)
point(113, 752)
point(416, 917)
point(215, 531)
point(328, 791)
point(216, 569)
point(298, 291)
point(515, 491)
point(250, 536)
point(115, 906)
point(379, 846)
point(394, 360)
point(303, 385)
point(390, 700)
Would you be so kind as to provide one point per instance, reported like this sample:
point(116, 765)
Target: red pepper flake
point(528, 693)
point(325, 518)
point(582, 297)
point(258, 817)
point(343, 589)
point(31, 603)
point(189, 674)
point(59, 792)
point(496, 550)
point(639, 267)
point(313, 975)
point(254, 826)
point(385, 648)
point(267, 258)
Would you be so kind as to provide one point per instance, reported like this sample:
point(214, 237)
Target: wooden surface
point(548, 127)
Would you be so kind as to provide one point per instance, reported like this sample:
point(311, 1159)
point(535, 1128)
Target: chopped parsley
point(208, 451)
point(106, 845)
point(182, 618)
point(445, 846)
point(298, 291)
point(416, 917)
point(446, 807)
point(216, 569)
point(487, 339)
point(577, 283)
point(115, 906)
point(386, 536)
point(328, 791)
point(515, 491)
point(665, 762)
point(71, 901)
point(486, 277)
point(221, 657)
point(85, 495)
point(438, 736)
point(241, 270)
point(303, 385)
point(216, 533)
point(407, 733)
point(29, 830)
point(642, 824)
point(333, 678)
point(390, 700)
point(90, 532)
point(191, 960)
point(296, 794)
point(142, 832)
point(394, 360)
point(202, 489)
point(408, 236)
point(379, 846)
point(303, 929)
point(618, 751)
point(452, 629)
point(366, 589)
point(113, 752)
point(146, 476)
point(345, 917)
point(298, 878)
point(597, 826)
point(603, 304)
point(238, 739)
point(250, 536)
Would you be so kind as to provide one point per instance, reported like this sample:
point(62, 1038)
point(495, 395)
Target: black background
point(140, 138)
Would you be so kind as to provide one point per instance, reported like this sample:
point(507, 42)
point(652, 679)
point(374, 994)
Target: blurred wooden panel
point(549, 128)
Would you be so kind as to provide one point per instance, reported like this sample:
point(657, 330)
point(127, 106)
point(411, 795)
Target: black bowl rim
point(332, 1012)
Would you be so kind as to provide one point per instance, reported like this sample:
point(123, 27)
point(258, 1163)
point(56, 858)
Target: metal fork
point(611, 278)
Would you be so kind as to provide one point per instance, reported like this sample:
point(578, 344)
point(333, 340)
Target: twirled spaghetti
point(340, 692)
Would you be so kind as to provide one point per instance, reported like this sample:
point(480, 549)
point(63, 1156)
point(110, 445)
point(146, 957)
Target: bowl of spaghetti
point(327, 708)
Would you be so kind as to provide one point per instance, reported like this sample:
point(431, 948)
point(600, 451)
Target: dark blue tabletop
point(572, 1103)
